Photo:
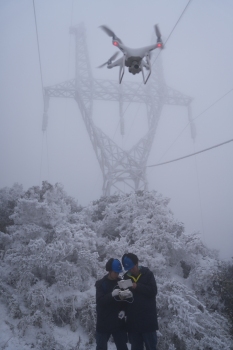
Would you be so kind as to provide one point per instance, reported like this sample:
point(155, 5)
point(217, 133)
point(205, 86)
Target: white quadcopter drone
point(132, 58)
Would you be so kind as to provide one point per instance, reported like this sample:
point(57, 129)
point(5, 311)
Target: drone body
point(132, 58)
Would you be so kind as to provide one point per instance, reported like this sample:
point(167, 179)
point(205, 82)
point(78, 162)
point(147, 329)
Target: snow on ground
point(10, 339)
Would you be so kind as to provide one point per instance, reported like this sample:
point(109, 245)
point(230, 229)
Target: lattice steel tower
point(117, 165)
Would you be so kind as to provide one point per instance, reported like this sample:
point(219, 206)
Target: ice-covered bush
point(53, 250)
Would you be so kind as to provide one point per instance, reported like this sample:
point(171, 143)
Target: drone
point(135, 59)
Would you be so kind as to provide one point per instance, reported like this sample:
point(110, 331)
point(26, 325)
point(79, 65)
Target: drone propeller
point(158, 33)
point(110, 33)
point(112, 58)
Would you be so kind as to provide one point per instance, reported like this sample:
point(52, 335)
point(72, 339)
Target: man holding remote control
point(141, 313)
point(110, 309)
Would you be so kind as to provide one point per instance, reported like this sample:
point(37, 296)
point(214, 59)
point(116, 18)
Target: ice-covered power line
point(181, 15)
point(38, 47)
point(200, 114)
point(219, 99)
point(190, 155)
point(42, 87)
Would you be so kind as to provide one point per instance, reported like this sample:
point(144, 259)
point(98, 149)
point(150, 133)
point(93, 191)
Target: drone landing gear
point(122, 70)
point(148, 66)
point(143, 75)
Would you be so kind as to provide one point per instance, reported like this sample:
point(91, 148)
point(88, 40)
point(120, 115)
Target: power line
point(219, 99)
point(42, 87)
point(42, 84)
point(181, 15)
point(178, 20)
point(199, 196)
point(47, 148)
point(41, 157)
point(71, 24)
point(133, 120)
point(190, 155)
point(38, 47)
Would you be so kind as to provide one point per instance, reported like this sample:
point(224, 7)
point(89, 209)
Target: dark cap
point(129, 260)
point(114, 265)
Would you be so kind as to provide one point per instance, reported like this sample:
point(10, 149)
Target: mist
point(197, 61)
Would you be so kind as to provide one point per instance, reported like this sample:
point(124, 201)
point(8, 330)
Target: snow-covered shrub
point(8, 201)
point(52, 252)
point(190, 323)
point(46, 341)
point(223, 286)
point(49, 259)
point(37, 319)
point(88, 318)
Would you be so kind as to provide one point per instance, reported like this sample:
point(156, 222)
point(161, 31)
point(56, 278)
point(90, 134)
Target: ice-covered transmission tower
point(117, 165)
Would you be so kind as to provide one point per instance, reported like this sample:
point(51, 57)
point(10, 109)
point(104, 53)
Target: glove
point(115, 292)
point(125, 294)
point(121, 314)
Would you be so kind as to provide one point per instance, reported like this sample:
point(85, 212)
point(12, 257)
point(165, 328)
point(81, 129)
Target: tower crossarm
point(109, 90)
point(65, 89)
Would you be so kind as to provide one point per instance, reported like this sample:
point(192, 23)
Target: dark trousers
point(120, 339)
point(138, 339)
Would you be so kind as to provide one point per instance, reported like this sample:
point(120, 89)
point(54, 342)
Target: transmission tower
point(117, 165)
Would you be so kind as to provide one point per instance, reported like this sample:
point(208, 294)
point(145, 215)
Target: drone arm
point(116, 63)
point(158, 45)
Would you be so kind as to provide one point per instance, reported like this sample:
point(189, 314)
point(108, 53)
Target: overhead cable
point(181, 15)
point(199, 197)
point(190, 155)
point(42, 88)
point(220, 98)
point(38, 47)
point(178, 20)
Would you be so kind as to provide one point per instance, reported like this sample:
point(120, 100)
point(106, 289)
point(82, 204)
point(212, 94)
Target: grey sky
point(197, 61)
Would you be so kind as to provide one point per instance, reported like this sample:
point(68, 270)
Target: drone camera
point(134, 68)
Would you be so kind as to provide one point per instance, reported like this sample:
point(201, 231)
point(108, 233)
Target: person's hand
point(134, 285)
point(121, 314)
point(115, 292)
point(125, 294)
point(129, 295)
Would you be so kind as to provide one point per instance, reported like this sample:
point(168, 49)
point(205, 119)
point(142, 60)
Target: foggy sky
point(197, 61)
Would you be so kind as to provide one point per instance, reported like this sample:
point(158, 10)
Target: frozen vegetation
point(52, 251)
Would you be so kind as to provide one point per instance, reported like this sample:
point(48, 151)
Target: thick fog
point(197, 61)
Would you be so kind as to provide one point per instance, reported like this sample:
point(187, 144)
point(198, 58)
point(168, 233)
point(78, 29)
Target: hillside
point(53, 250)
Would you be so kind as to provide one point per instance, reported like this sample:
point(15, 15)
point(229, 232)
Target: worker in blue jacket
point(110, 309)
point(142, 321)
